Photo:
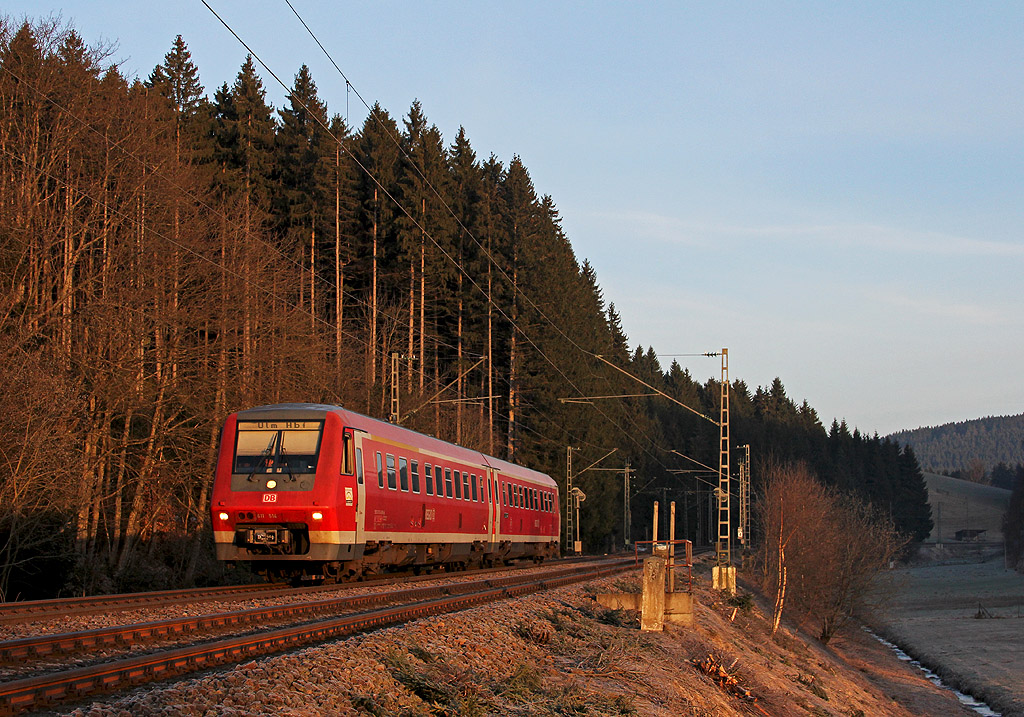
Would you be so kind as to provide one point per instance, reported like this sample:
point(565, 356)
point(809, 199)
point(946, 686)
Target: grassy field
point(958, 610)
point(962, 505)
point(965, 621)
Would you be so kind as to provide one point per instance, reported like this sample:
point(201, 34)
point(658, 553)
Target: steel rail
point(41, 646)
point(29, 610)
point(14, 612)
point(37, 692)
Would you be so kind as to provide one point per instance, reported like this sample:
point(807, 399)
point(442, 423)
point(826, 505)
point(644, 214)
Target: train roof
point(317, 411)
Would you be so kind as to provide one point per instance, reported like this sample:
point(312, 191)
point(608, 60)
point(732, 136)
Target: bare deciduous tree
point(823, 550)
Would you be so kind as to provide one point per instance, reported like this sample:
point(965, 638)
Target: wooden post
point(654, 535)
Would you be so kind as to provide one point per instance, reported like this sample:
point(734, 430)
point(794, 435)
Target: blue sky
point(833, 191)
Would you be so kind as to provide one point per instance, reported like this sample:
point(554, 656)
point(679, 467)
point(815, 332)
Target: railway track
point(31, 610)
point(320, 623)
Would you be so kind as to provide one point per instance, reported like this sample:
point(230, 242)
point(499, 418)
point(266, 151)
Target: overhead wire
point(446, 254)
point(458, 220)
point(353, 297)
point(389, 195)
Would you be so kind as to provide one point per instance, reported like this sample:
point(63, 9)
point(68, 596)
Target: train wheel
point(332, 573)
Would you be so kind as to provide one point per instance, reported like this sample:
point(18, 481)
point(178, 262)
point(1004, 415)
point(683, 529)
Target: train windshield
point(277, 446)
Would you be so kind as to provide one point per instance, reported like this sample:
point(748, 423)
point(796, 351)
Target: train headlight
point(223, 516)
point(271, 484)
point(318, 516)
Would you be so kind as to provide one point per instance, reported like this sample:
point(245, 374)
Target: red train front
point(319, 491)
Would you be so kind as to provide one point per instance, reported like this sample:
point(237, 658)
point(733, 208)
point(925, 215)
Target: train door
point(505, 487)
point(494, 505)
point(362, 456)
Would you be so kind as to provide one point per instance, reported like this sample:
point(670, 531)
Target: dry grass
point(560, 653)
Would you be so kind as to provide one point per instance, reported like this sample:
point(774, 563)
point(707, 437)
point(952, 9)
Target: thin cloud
point(669, 229)
point(937, 307)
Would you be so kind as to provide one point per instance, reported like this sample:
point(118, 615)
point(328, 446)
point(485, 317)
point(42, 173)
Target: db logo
point(270, 497)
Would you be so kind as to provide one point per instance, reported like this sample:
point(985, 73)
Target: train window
point(439, 481)
point(403, 473)
point(472, 482)
point(347, 444)
point(359, 466)
point(465, 486)
point(392, 483)
point(448, 482)
point(277, 446)
point(458, 485)
point(517, 497)
point(380, 470)
point(428, 479)
point(533, 498)
point(415, 477)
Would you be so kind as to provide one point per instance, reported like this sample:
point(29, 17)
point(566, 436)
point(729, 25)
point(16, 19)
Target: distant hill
point(958, 505)
point(983, 442)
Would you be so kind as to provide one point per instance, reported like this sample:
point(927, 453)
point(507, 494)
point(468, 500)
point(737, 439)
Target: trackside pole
point(671, 548)
point(723, 575)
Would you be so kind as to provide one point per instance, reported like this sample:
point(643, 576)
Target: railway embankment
point(964, 620)
point(556, 653)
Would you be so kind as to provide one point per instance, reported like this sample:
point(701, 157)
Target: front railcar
point(284, 495)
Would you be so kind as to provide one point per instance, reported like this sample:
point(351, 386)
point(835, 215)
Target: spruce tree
point(300, 204)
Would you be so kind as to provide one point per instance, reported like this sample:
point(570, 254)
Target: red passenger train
point(311, 491)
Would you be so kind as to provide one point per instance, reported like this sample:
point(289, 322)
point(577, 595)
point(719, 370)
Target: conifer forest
point(172, 253)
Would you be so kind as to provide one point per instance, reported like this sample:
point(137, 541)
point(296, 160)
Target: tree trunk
point(412, 324)
point(339, 276)
point(490, 354)
point(780, 594)
point(372, 349)
point(423, 292)
point(513, 377)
